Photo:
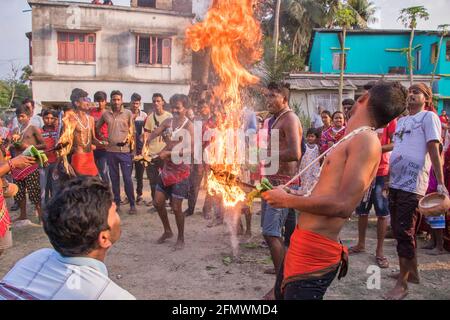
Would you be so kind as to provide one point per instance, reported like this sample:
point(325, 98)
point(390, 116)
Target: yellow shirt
point(157, 144)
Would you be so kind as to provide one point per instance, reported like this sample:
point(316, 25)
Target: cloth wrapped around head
point(428, 93)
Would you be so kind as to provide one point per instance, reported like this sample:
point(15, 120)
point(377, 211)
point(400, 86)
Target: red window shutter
point(90, 47)
point(62, 46)
point(81, 48)
point(71, 47)
point(166, 52)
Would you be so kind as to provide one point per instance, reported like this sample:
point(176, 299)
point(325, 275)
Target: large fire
point(234, 36)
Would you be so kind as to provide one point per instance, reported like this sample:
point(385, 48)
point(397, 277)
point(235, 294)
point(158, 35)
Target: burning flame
point(234, 37)
point(66, 138)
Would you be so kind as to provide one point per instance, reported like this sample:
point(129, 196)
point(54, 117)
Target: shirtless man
point(174, 178)
point(27, 179)
point(315, 254)
point(289, 153)
point(83, 161)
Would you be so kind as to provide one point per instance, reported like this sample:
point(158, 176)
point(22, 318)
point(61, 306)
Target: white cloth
point(310, 177)
point(47, 275)
point(410, 162)
point(316, 121)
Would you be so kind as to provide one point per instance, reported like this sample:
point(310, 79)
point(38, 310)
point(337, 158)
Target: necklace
point(88, 127)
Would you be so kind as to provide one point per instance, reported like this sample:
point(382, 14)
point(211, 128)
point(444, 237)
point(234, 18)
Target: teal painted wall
point(368, 55)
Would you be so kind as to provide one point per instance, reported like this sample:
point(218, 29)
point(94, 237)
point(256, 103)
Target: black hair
point(77, 94)
point(47, 112)
point(156, 95)
point(328, 113)
point(136, 97)
point(387, 100)
point(348, 102)
point(179, 98)
point(337, 112)
point(369, 85)
point(313, 131)
point(28, 100)
point(23, 109)
point(100, 96)
point(75, 217)
point(281, 88)
point(116, 93)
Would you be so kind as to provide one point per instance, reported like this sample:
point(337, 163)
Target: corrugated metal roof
point(319, 84)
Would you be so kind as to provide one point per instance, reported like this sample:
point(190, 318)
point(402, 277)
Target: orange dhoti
point(84, 164)
point(311, 255)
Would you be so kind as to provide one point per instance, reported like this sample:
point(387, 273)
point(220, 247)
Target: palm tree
point(345, 18)
point(443, 28)
point(409, 17)
point(276, 30)
point(366, 12)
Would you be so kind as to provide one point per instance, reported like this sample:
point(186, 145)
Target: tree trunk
point(342, 67)
point(13, 93)
point(276, 31)
point(437, 60)
point(410, 60)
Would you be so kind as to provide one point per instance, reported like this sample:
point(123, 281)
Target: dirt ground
point(206, 269)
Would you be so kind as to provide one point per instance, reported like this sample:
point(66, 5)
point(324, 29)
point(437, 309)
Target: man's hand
point(22, 161)
point(442, 190)
point(277, 198)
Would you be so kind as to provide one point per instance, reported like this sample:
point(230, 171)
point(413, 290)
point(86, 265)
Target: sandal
point(355, 250)
point(382, 262)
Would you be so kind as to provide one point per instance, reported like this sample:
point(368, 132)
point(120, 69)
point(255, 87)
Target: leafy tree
point(409, 18)
point(345, 18)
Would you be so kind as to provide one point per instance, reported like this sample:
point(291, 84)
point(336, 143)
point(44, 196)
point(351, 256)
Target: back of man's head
point(387, 100)
point(76, 216)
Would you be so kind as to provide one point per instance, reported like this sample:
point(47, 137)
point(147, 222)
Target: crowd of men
point(381, 151)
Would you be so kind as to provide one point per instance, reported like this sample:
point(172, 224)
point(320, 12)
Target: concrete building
point(370, 55)
point(97, 47)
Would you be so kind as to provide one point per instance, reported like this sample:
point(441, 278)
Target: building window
point(337, 61)
point(153, 50)
point(147, 3)
point(418, 59)
point(76, 47)
point(434, 50)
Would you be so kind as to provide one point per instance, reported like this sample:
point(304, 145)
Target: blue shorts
point(436, 222)
point(178, 190)
point(377, 199)
point(272, 220)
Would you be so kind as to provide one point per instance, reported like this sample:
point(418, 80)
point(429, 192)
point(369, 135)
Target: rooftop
point(106, 7)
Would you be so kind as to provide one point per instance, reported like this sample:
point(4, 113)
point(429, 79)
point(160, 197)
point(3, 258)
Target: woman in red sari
point(334, 133)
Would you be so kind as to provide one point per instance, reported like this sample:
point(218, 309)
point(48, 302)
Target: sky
point(14, 23)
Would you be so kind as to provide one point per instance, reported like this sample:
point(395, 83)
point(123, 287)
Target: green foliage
point(304, 118)
point(345, 17)
point(409, 16)
point(287, 62)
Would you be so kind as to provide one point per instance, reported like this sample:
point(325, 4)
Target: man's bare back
point(82, 136)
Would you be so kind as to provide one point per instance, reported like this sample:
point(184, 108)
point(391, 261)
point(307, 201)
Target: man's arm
point(363, 157)
point(158, 131)
point(436, 160)
point(40, 141)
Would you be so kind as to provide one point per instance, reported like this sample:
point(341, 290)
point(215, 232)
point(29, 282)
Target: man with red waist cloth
point(315, 254)
point(83, 125)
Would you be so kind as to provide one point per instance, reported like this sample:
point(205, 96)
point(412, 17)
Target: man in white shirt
point(82, 224)
point(316, 121)
point(36, 120)
point(416, 149)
